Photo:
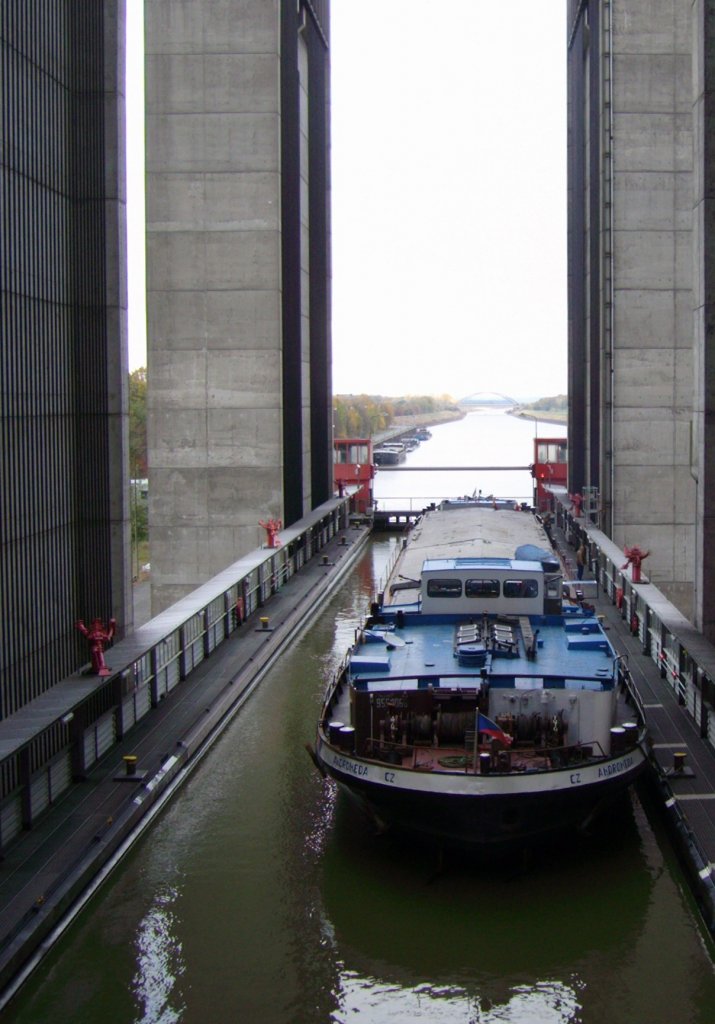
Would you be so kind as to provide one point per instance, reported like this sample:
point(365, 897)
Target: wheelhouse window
point(444, 588)
point(553, 452)
point(481, 588)
point(347, 454)
point(521, 588)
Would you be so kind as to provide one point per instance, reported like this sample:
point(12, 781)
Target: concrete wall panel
point(244, 495)
point(644, 498)
point(652, 82)
point(196, 319)
point(242, 26)
point(181, 496)
point(652, 259)
point(212, 142)
point(241, 82)
point(176, 319)
point(249, 319)
point(186, 83)
point(645, 319)
point(177, 27)
point(173, 140)
point(649, 28)
point(175, 83)
point(180, 442)
point(653, 141)
point(243, 379)
point(645, 378)
point(651, 201)
point(242, 202)
point(177, 260)
point(243, 437)
point(177, 200)
point(644, 441)
point(241, 259)
point(219, 26)
point(241, 142)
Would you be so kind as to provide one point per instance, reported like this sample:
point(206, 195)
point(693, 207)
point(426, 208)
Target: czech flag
point(490, 728)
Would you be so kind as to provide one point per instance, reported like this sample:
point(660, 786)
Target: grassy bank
point(544, 415)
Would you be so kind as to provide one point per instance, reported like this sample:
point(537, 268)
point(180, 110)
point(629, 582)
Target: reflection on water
point(261, 895)
point(549, 1002)
point(475, 944)
point(576, 942)
point(160, 963)
point(481, 438)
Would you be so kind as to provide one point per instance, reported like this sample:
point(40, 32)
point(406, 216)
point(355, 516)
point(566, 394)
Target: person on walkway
point(580, 561)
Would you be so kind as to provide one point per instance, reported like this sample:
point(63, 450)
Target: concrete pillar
point(214, 285)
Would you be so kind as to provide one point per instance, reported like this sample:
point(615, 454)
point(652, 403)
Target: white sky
point(136, 276)
point(449, 197)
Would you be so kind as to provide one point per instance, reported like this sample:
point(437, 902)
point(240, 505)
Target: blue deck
point(567, 651)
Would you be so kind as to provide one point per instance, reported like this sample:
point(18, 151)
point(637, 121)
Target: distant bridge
point(487, 398)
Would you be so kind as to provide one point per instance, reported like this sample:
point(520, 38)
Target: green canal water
point(262, 896)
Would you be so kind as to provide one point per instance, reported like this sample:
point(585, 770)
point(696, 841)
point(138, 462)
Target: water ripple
point(160, 964)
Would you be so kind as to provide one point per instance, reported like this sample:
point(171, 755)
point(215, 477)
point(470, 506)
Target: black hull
point(486, 823)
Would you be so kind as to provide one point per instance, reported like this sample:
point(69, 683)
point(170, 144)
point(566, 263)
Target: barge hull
point(483, 811)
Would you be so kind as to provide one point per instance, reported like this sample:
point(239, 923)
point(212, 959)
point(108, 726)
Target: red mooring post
point(272, 526)
point(634, 558)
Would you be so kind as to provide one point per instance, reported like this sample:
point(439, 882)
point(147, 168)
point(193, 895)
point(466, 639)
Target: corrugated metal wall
point(56, 461)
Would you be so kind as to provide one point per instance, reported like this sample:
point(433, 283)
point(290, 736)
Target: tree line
point(367, 415)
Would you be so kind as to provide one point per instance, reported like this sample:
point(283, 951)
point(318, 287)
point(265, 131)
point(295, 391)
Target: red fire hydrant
point(98, 635)
point(272, 526)
point(634, 558)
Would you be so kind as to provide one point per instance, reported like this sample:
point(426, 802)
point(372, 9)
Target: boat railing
point(556, 682)
point(505, 761)
point(394, 555)
point(336, 683)
point(626, 681)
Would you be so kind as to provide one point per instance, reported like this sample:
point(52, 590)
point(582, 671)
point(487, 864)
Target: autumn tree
point(137, 424)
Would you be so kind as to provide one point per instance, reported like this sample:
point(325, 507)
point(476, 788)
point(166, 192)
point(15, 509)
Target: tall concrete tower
point(238, 277)
point(63, 366)
point(639, 237)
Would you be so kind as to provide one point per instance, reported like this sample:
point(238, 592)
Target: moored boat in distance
point(389, 454)
point(480, 705)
